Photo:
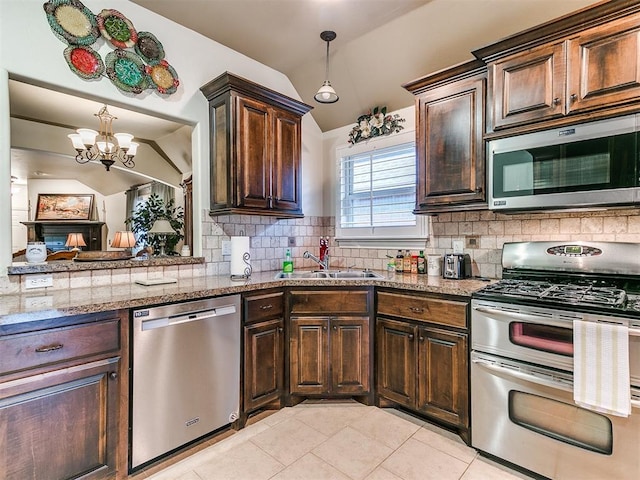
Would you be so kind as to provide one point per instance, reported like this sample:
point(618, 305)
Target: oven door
point(526, 415)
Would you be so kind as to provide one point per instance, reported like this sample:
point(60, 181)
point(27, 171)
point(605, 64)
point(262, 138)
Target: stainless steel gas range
point(561, 329)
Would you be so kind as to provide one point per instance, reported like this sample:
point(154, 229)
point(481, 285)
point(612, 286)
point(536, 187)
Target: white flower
point(365, 130)
point(377, 120)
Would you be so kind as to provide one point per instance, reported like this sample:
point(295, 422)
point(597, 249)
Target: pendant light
point(327, 94)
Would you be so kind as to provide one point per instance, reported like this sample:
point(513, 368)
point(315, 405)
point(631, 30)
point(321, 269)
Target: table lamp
point(124, 239)
point(162, 227)
point(75, 240)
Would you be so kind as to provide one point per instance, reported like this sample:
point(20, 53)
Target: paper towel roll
point(239, 246)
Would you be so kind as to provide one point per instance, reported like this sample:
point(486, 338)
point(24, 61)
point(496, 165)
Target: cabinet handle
point(335, 327)
point(280, 329)
point(49, 348)
point(113, 375)
point(266, 307)
point(416, 309)
point(324, 328)
point(479, 190)
point(556, 101)
point(410, 336)
point(573, 97)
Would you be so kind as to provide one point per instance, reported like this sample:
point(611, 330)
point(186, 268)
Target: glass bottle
point(407, 262)
point(399, 262)
point(422, 263)
point(287, 265)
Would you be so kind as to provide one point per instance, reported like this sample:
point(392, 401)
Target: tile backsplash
point(270, 240)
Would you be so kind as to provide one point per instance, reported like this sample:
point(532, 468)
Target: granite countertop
point(43, 304)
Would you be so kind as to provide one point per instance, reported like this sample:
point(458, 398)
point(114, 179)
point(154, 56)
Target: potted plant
point(145, 214)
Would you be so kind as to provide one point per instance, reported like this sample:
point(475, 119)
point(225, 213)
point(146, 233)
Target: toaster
point(457, 265)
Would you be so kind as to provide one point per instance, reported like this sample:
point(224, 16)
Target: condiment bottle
point(399, 262)
point(406, 265)
point(422, 263)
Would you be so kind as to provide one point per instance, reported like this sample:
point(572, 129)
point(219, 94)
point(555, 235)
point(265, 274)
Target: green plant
point(148, 212)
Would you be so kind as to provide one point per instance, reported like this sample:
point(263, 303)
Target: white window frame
point(377, 237)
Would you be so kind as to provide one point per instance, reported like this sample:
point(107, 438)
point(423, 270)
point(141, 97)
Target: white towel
point(601, 378)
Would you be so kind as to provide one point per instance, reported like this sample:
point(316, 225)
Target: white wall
point(30, 51)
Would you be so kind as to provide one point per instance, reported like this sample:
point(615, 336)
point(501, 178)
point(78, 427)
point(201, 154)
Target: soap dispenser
point(287, 264)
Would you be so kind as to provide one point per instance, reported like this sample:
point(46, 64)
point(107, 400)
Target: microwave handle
point(528, 377)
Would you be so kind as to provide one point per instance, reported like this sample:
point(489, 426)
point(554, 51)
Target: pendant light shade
point(326, 93)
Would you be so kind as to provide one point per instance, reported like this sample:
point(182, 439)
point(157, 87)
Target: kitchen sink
point(328, 274)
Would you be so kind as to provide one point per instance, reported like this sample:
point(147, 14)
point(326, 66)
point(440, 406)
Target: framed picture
point(62, 206)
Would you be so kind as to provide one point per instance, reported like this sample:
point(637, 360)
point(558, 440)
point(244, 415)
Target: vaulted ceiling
point(380, 44)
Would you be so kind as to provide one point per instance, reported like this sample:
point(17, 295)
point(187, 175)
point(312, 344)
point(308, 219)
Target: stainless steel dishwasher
point(186, 374)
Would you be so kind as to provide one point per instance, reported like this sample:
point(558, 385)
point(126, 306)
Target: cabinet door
point(396, 367)
point(309, 355)
point(263, 363)
point(443, 384)
point(61, 424)
point(253, 154)
point(349, 360)
point(528, 86)
point(286, 176)
point(604, 65)
point(450, 145)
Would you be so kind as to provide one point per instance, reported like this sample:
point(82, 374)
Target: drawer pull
point(410, 336)
point(49, 348)
point(113, 375)
point(266, 307)
point(416, 309)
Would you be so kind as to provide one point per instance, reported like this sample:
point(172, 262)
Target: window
point(377, 194)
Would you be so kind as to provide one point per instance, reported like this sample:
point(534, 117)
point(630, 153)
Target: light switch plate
point(226, 247)
point(38, 281)
point(458, 246)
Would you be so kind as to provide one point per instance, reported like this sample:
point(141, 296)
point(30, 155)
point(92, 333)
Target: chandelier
point(104, 146)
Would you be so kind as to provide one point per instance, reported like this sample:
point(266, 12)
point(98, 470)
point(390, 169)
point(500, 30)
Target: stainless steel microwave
point(588, 165)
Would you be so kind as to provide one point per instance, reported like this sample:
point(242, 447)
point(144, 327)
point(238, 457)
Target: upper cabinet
point(576, 68)
point(449, 137)
point(256, 144)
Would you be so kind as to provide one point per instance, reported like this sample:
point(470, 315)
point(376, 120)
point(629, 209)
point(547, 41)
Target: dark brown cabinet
point(256, 145)
point(580, 66)
point(263, 351)
point(450, 148)
point(329, 342)
point(60, 401)
point(424, 366)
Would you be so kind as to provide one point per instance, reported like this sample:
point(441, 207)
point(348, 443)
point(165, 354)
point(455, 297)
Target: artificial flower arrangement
point(375, 124)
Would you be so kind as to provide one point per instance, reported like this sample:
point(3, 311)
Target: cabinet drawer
point(260, 307)
point(432, 310)
point(343, 302)
point(34, 349)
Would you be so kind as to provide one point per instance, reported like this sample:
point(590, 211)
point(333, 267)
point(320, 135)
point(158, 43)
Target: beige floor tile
point(310, 467)
point(244, 462)
point(416, 461)
point(404, 415)
point(330, 420)
point(382, 474)
point(289, 440)
point(353, 453)
point(389, 429)
point(452, 446)
point(280, 416)
point(483, 469)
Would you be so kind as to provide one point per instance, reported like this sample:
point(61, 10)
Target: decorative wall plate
point(126, 70)
point(72, 22)
point(164, 77)
point(84, 61)
point(149, 48)
point(117, 28)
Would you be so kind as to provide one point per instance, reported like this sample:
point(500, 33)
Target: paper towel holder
point(247, 270)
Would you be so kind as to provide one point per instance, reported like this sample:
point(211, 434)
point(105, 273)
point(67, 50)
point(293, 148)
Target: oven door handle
point(520, 316)
point(528, 377)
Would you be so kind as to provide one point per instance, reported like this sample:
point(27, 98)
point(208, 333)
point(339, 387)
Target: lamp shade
point(326, 93)
point(162, 226)
point(124, 240)
point(75, 240)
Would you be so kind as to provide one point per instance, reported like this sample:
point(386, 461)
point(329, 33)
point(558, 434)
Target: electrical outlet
point(458, 246)
point(42, 302)
point(226, 247)
point(38, 281)
point(472, 241)
point(291, 241)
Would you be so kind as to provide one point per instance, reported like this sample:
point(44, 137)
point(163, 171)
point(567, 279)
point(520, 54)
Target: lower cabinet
point(60, 416)
point(329, 355)
point(263, 328)
point(424, 366)
point(330, 342)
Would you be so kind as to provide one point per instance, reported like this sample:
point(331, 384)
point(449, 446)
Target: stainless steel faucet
point(324, 265)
